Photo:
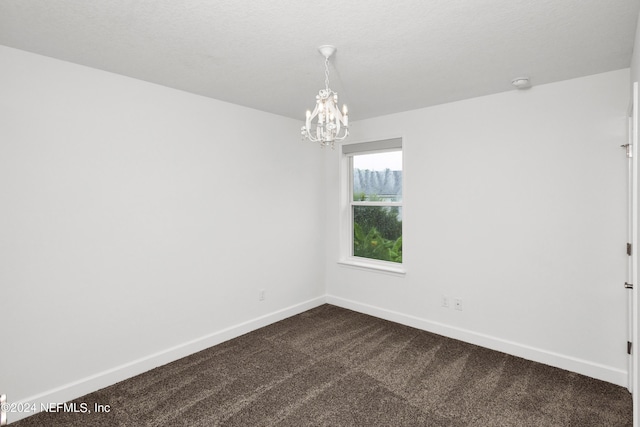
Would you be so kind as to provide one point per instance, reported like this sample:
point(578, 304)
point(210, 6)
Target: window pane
point(378, 177)
point(377, 232)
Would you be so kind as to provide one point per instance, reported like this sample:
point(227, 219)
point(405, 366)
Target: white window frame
point(346, 206)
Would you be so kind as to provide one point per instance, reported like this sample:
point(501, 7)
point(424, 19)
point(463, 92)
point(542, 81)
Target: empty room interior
point(159, 201)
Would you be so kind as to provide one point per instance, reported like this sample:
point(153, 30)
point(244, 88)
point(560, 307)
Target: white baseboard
point(580, 366)
point(104, 379)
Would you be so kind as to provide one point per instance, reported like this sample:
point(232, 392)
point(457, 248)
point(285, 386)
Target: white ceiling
point(392, 55)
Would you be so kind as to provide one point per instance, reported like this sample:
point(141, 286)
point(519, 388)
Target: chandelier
point(330, 124)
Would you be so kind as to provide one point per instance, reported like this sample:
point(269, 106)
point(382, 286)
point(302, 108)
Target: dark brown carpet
point(334, 367)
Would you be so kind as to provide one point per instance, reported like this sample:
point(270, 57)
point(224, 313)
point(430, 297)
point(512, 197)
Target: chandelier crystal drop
point(330, 123)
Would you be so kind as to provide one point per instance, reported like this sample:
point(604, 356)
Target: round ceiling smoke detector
point(521, 82)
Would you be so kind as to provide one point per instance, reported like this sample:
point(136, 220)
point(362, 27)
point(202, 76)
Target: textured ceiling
point(392, 56)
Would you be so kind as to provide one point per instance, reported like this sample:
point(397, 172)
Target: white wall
point(635, 58)
point(515, 203)
point(136, 219)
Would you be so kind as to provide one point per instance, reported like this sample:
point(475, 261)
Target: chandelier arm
point(346, 134)
point(312, 116)
point(309, 120)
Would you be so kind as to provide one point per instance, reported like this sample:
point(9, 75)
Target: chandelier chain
point(326, 73)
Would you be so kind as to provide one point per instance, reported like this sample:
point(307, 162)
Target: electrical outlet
point(457, 303)
point(261, 295)
point(445, 301)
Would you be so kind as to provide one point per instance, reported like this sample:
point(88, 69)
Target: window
point(373, 206)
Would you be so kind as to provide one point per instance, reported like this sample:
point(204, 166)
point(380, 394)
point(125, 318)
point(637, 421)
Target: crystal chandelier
point(331, 124)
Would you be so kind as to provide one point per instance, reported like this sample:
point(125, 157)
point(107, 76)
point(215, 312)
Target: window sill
point(374, 265)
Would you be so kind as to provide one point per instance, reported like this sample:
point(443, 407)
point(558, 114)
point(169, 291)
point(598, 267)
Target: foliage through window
point(376, 205)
